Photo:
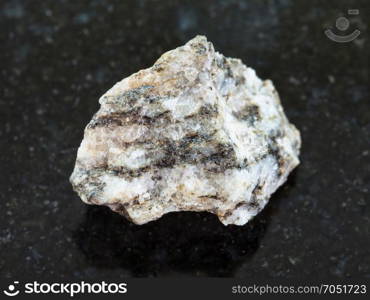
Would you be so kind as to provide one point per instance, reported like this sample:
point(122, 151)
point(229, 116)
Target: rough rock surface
point(195, 132)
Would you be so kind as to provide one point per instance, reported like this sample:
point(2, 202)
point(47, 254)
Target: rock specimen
point(195, 132)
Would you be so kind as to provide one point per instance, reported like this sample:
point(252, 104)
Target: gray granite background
point(58, 57)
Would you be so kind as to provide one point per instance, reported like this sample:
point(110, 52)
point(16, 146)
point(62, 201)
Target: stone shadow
point(185, 243)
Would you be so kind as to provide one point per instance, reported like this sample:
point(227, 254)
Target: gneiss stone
point(195, 132)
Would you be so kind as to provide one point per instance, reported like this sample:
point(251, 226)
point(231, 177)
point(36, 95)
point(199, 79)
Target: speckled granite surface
point(58, 57)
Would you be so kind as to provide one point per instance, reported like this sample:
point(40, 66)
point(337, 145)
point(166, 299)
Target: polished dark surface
point(58, 57)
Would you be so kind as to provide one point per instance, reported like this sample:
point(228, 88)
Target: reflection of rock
point(177, 242)
point(195, 132)
point(185, 242)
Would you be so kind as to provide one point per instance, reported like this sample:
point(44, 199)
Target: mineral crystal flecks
point(195, 132)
